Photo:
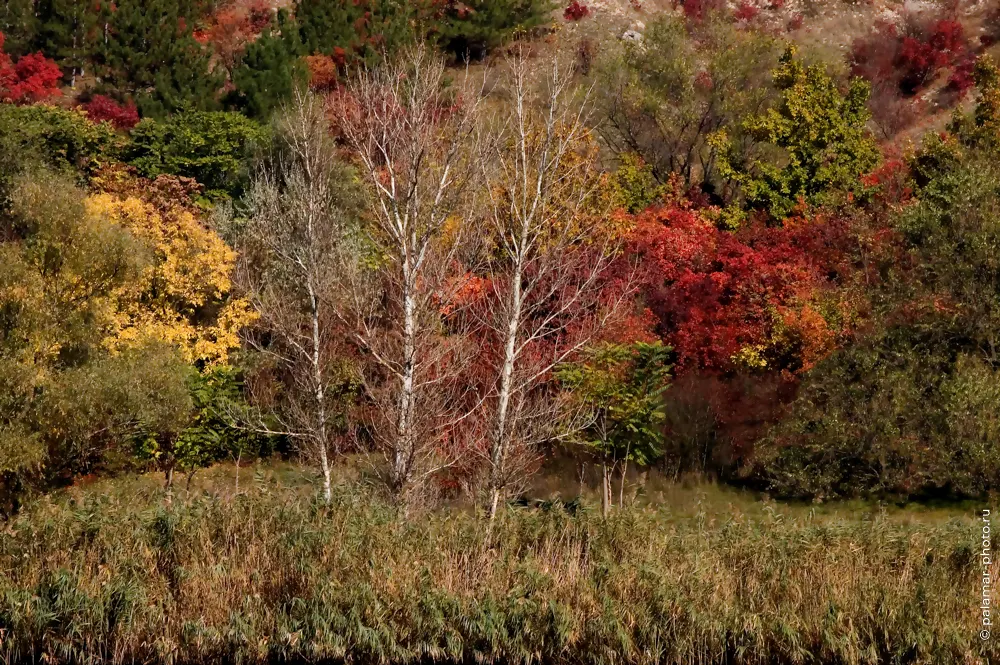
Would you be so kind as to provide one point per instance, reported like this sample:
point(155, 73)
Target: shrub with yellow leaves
point(182, 297)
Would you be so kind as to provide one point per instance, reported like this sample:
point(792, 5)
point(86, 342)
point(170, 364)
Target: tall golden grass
point(270, 576)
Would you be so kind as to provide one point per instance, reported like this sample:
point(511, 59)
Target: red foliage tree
point(576, 11)
point(233, 27)
point(259, 15)
point(32, 78)
point(962, 80)
point(725, 299)
point(908, 61)
point(748, 311)
point(746, 11)
point(105, 109)
point(698, 9)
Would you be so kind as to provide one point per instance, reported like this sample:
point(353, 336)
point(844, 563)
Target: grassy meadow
point(117, 572)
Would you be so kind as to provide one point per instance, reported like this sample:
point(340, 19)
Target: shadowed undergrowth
point(273, 576)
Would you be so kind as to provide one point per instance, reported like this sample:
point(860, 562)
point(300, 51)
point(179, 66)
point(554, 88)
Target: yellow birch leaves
point(182, 296)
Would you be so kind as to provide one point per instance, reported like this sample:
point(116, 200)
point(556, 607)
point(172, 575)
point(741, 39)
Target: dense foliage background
point(820, 288)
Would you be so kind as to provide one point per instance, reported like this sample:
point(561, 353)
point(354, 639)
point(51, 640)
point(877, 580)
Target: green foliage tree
point(911, 409)
point(61, 139)
point(898, 416)
point(18, 25)
point(270, 70)
point(66, 402)
point(469, 29)
point(821, 146)
point(150, 52)
point(621, 388)
point(213, 147)
point(64, 138)
point(68, 32)
point(668, 94)
point(982, 127)
point(635, 186)
point(359, 27)
point(211, 434)
point(370, 28)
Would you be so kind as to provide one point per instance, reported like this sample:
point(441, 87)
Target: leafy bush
point(575, 11)
point(821, 133)
point(214, 148)
point(893, 417)
point(911, 409)
point(698, 10)
point(762, 298)
point(746, 11)
point(65, 400)
point(921, 56)
point(324, 70)
point(665, 98)
point(211, 435)
point(898, 64)
point(104, 109)
point(32, 78)
point(63, 138)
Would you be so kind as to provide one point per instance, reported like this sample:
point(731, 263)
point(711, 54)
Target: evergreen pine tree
point(471, 27)
point(327, 24)
point(67, 33)
point(365, 28)
point(150, 51)
point(270, 70)
point(18, 25)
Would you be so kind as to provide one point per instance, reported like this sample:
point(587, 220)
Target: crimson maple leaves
point(760, 297)
point(32, 78)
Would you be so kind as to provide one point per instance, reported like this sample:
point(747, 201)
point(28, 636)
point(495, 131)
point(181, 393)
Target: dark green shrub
point(912, 407)
point(213, 147)
point(368, 28)
point(62, 138)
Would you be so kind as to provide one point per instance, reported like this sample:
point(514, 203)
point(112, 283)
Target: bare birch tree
point(292, 253)
point(413, 139)
point(546, 300)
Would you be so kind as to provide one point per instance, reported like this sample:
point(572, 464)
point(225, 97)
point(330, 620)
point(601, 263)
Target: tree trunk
point(498, 449)
point(404, 431)
point(605, 489)
point(321, 435)
point(239, 456)
point(168, 484)
point(621, 485)
point(494, 503)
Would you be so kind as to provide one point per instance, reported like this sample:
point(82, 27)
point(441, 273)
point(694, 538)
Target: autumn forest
point(508, 331)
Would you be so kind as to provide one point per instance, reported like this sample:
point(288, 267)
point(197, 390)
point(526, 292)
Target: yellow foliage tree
point(182, 297)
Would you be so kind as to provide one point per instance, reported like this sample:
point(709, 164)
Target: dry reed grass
point(116, 575)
